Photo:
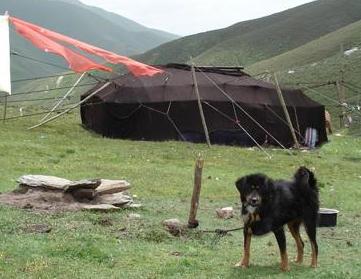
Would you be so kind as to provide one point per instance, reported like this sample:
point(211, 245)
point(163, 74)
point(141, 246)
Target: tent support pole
point(72, 107)
point(283, 104)
point(64, 97)
point(200, 106)
point(5, 107)
point(297, 122)
point(341, 100)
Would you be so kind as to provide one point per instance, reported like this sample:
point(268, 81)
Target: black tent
point(238, 109)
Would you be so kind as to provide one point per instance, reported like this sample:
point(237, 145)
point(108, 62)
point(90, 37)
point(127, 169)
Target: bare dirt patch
point(41, 200)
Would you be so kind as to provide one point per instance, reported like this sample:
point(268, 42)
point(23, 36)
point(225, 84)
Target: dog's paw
point(314, 265)
point(285, 268)
point(241, 265)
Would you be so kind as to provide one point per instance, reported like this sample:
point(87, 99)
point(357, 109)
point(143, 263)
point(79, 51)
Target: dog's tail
point(304, 176)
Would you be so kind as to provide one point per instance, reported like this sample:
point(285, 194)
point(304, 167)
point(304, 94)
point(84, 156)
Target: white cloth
point(311, 137)
point(5, 81)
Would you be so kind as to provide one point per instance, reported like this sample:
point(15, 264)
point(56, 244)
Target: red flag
point(44, 39)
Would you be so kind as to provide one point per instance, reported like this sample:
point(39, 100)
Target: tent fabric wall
point(164, 107)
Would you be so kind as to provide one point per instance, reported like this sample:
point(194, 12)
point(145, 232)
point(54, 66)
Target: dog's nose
point(254, 200)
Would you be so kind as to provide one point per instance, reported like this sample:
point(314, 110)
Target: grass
point(93, 245)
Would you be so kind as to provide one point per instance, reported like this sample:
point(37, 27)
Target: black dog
point(268, 205)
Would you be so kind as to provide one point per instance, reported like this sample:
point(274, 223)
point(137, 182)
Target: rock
point(100, 207)
point(56, 183)
point(173, 226)
point(83, 184)
point(117, 199)
point(44, 181)
point(112, 186)
point(225, 212)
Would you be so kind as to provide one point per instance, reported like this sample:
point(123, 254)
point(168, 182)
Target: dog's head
point(254, 189)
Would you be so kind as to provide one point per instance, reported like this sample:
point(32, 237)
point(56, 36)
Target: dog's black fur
point(268, 205)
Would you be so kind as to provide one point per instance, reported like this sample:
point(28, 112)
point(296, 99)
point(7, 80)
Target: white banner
point(5, 81)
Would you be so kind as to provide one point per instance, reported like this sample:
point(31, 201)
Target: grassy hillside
point(322, 61)
point(248, 42)
point(89, 24)
point(314, 51)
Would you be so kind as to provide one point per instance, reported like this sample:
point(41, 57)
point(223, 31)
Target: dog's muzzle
point(253, 199)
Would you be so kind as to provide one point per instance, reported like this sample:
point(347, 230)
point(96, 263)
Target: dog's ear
point(312, 180)
point(240, 184)
point(269, 184)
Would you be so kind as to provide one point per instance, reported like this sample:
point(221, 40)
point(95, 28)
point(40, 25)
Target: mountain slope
point(317, 65)
point(248, 42)
point(89, 24)
point(317, 50)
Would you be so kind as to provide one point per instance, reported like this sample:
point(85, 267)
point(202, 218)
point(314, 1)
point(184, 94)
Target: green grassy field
point(112, 245)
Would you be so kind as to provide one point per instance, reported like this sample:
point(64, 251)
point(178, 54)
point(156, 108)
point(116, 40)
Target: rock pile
point(52, 193)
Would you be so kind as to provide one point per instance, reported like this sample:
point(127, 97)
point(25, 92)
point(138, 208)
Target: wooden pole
point(288, 118)
point(192, 221)
point(71, 108)
point(341, 100)
point(64, 97)
point(205, 128)
point(297, 122)
point(5, 106)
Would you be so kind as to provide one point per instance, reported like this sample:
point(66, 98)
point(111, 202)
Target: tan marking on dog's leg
point(251, 218)
point(296, 235)
point(244, 263)
point(314, 256)
point(284, 261)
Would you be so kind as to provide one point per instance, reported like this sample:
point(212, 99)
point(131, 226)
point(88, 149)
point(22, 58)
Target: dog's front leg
point(247, 235)
point(281, 240)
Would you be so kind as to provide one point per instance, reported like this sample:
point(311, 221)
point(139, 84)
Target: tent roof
point(176, 84)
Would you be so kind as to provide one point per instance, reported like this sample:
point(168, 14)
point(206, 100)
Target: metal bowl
point(327, 217)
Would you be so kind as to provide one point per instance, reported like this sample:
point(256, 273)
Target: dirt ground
point(41, 200)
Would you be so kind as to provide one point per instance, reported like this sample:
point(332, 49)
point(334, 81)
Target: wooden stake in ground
point(192, 221)
point(288, 118)
point(205, 128)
